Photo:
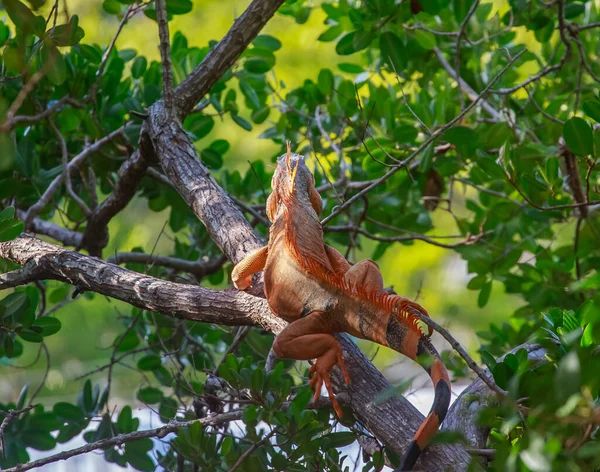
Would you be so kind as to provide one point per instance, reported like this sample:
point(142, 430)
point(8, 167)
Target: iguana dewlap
point(314, 288)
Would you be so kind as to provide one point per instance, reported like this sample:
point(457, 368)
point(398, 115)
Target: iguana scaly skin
point(314, 288)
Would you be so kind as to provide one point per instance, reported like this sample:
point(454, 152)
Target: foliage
point(517, 175)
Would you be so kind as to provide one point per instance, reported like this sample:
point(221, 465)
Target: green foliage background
point(532, 273)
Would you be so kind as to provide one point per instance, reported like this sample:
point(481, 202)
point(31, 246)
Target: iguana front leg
point(248, 266)
point(309, 338)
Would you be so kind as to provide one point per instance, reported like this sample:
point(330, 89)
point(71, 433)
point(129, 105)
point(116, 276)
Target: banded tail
point(410, 343)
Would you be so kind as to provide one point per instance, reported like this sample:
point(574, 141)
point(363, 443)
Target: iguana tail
point(413, 344)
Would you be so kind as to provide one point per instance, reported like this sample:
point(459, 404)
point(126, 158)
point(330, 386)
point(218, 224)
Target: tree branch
point(170, 427)
point(53, 187)
point(426, 143)
point(224, 54)
point(165, 55)
point(95, 237)
point(393, 421)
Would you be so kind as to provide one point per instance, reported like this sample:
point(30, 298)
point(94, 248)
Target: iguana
point(313, 287)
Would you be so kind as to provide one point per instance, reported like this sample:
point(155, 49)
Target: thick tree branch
point(229, 307)
point(393, 421)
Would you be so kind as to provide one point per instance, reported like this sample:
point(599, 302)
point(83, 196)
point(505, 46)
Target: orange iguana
point(314, 288)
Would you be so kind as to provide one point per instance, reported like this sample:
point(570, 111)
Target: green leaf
point(198, 124)
point(92, 54)
point(48, 325)
point(149, 362)
point(14, 304)
point(590, 107)
point(425, 39)
point(138, 459)
point(68, 412)
point(129, 341)
point(502, 374)
point(212, 158)
point(259, 116)
point(45, 422)
point(150, 395)
point(179, 7)
point(331, 34)
point(22, 17)
point(578, 136)
point(405, 134)
point(267, 41)
point(167, 409)
point(484, 295)
point(139, 67)
point(393, 51)
point(40, 440)
point(257, 65)
point(488, 360)
point(54, 63)
point(341, 439)
point(325, 82)
point(30, 336)
point(300, 401)
point(568, 376)
point(241, 122)
point(4, 33)
point(219, 145)
point(461, 8)
point(125, 421)
point(345, 45)
point(68, 34)
point(111, 6)
point(10, 229)
point(350, 68)
point(463, 138)
point(163, 376)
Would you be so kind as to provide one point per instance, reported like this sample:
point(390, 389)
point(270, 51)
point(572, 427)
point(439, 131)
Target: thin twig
point(426, 143)
point(12, 414)
point(460, 350)
point(53, 187)
point(251, 449)
point(160, 433)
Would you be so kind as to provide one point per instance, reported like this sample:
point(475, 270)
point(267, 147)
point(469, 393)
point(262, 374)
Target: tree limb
point(161, 432)
point(393, 421)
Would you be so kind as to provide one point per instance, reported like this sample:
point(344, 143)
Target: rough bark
point(392, 422)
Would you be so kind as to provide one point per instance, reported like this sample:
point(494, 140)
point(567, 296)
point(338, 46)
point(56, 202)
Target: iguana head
point(292, 182)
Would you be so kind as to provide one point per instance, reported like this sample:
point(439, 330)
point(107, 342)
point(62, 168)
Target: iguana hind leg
point(367, 273)
point(309, 338)
point(247, 267)
point(337, 260)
